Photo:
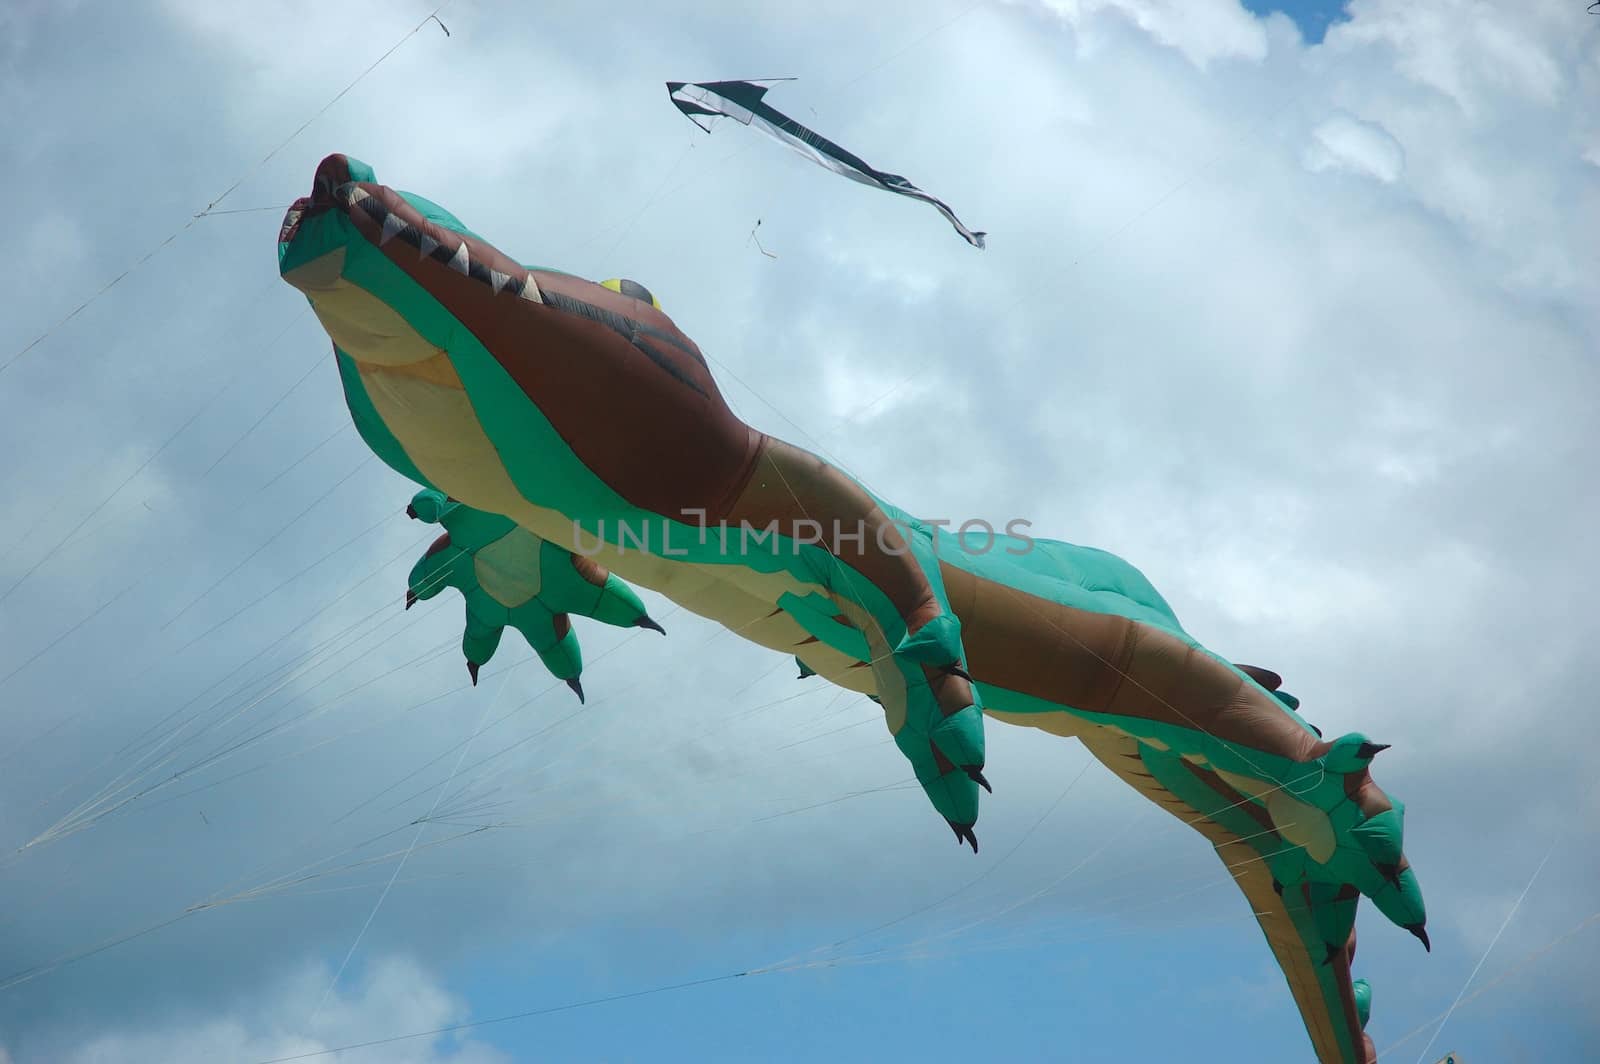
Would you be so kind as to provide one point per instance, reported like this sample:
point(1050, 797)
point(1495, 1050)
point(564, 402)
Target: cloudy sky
point(1301, 324)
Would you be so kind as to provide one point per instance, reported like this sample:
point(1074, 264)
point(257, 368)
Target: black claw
point(577, 688)
point(1277, 888)
point(1368, 751)
point(1422, 933)
point(646, 622)
point(964, 834)
point(957, 670)
point(472, 669)
point(977, 777)
point(411, 598)
point(411, 511)
point(1265, 677)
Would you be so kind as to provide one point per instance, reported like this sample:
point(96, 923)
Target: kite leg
point(434, 571)
point(552, 638)
point(575, 584)
point(882, 578)
point(479, 642)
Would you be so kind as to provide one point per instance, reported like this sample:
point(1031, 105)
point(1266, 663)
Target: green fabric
point(543, 617)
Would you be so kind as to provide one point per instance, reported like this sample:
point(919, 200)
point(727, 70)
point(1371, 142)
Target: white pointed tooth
point(459, 261)
point(498, 280)
point(530, 290)
point(393, 224)
point(357, 193)
point(426, 244)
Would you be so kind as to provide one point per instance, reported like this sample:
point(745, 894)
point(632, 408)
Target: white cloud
point(1203, 30)
point(1344, 142)
point(1479, 53)
point(396, 997)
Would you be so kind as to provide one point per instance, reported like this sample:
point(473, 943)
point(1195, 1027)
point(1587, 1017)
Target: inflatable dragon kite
point(580, 414)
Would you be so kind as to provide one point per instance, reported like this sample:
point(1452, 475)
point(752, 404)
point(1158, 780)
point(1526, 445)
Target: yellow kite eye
point(633, 289)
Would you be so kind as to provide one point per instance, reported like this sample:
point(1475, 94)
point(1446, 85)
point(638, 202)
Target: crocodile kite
point(581, 413)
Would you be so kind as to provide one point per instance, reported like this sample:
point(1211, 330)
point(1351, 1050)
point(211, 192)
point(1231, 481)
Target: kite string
point(726, 976)
point(300, 667)
point(1503, 925)
point(153, 252)
point(1491, 984)
point(270, 887)
point(65, 541)
point(421, 826)
point(891, 57)
point(1485, 956)
point(139, 739)
point(319, 709)
point(795, 961)
point(433, 15)
point(549, 1010)
point(660, 191)
point(215, 704)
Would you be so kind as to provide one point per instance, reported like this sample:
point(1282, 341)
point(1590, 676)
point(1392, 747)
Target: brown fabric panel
point(1367, 795)
point(332, 172)
point(1168, 677)
point(789, 487)
point(591, 571)
point(1064, 661)
point(950, 692)
point(437, 545)
point(610, 402)
point(1109, 664)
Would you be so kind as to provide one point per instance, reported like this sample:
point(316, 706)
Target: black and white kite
point(742, 102)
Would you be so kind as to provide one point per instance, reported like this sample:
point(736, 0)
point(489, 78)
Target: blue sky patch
point(1312, 16)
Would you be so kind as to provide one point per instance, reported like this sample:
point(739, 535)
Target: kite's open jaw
point(332, 173)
